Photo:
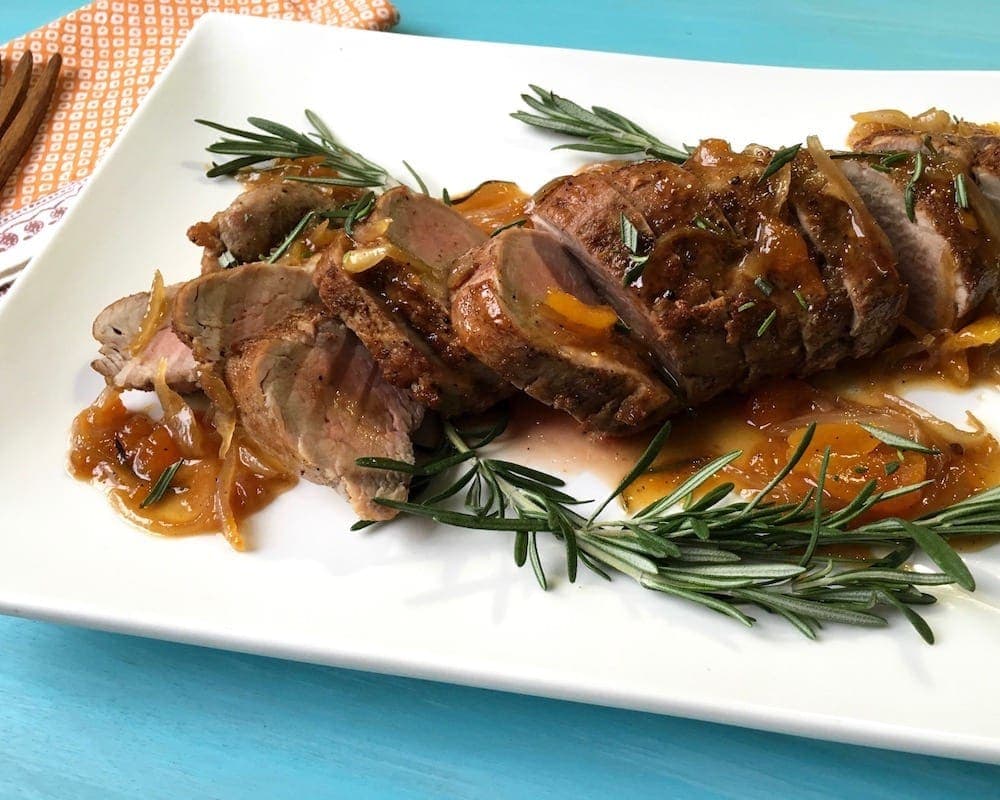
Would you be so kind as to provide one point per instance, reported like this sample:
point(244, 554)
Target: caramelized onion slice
point(223, 405)
point(223, 500)
point(984, 332)
point(841, 187)
point(178, 416)
point(152, 320)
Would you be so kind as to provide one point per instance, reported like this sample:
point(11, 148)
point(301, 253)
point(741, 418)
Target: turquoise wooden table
point(93, 715)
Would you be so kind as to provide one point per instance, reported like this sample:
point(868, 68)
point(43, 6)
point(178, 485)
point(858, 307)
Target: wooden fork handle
point(15, 142)
point(12, 95)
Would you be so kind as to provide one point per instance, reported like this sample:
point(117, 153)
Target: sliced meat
point(978, 153)
point(256, 222)
point(864, 294)
point(731, 292)
point(944, 256)
point(116, 328)
point(400, 306)
point(308, 392)
point(986, 168)
point(214, 312)
point(575, 361)
point(686, 332)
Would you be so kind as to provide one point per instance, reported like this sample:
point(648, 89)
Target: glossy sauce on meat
point(492, 205)
point(127, 451)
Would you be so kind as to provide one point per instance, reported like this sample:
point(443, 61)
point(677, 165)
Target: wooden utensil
point(22, 110)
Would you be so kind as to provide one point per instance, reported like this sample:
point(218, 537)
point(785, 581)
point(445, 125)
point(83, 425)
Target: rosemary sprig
point(272, 140)
point(717, 551)
point(603, 130)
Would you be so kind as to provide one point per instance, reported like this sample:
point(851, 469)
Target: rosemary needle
point(162, 484)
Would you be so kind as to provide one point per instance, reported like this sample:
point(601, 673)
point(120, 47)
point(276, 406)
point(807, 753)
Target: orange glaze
point(127, 451)
point(492, 204)
point(768, 424)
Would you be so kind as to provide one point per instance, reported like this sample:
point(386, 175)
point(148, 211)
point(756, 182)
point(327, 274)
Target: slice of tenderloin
point(856, 257)
point(945, 255)
point(214, 312)
point(399, 304)
point(116, 328)
point(979, 153)
point(578, 362)
point(256, 222)
point(309, 393)
point(405, 358)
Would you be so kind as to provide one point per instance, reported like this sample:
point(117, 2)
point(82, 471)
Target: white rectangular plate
point(411, 598)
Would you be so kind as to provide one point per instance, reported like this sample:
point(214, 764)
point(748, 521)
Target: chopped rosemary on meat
point(747, 306)
point(802, 301)
point(764, 285)
point(961, 195)
point(899, 442)
point(778, 160)
point(892, 467)
point(445, 197)
point(293, 234)
point(768, 320)
point(517, 223)
point(705, 224)
point(909, 194)
point(162, 484)
point(417, 178)
point(357, 211)
point(891, 159)
point(273, 140)
point(605, 131)
point(637, 262)
point(715, 550)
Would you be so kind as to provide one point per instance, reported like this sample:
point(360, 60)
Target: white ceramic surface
point(411, 598)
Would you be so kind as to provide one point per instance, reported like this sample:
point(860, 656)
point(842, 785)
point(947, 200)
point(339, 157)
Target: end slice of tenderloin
point(214, 312)
point(944, 255)
point(308, 392)
point(400, 306)
point(502, 314)
point(256, 222)
point(116, 328)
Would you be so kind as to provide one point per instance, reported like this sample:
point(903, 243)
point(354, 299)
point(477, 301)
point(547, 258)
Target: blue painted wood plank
point(92, 715)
